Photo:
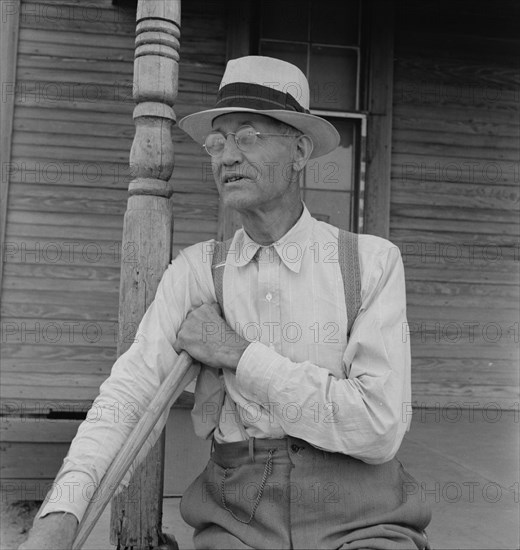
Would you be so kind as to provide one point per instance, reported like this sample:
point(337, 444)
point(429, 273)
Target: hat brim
point(323, 134)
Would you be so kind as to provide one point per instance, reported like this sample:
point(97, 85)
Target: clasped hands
point(206, 336)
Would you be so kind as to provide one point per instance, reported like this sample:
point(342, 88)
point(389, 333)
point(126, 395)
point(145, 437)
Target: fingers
point(194, 321)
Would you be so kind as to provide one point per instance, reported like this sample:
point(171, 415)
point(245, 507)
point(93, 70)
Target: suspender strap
point(348, 258)
point(217, 269)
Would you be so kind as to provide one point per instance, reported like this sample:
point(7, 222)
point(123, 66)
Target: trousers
point(285, 493)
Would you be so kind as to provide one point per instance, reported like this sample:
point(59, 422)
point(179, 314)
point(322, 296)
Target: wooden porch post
point(147, 237)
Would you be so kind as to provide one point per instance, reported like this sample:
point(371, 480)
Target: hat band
point(256, 96)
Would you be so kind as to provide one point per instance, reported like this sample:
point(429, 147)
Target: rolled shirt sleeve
point(361, 414)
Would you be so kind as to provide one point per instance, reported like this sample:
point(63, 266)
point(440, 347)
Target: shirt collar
point(290, 248)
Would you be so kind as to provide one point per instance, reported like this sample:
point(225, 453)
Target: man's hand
point(209, 339)
point(55, 531)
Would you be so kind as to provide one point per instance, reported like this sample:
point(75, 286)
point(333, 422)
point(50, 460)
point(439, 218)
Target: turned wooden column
point(147, 235)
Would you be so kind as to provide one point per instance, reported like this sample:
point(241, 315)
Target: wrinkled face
point(259, 177)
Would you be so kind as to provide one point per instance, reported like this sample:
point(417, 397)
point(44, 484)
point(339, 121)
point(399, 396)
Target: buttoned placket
point(269, 297)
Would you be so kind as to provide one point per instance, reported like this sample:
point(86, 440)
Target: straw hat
point(270, 87)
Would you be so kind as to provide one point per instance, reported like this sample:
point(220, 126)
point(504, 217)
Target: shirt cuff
point(255, 370)
point(69, 493)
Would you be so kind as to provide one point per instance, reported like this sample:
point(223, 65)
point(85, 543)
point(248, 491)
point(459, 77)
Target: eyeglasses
point(245, 139)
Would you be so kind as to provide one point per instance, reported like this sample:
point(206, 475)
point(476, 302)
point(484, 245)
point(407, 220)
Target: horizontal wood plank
point(17, 489)
point(449, 194)
point(20, 460)
point(49, 393)
point(497, 245)
point(37, 364)
point(19, 381)
point(506, 229)
point(448, 152)
point(82, 19)
point(38, 430)
point(64, 332)
point(461, 121)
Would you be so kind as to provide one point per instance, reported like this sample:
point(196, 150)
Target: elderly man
point(306, 414)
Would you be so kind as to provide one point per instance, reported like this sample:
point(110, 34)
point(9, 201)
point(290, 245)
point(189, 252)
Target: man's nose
point(231, 153)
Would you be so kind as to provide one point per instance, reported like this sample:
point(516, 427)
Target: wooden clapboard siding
point(26, 474)
point(455, 197)
point(72, 135)
point(71, 139)
point(69, 176)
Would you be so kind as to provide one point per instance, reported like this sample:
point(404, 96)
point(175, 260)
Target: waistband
point(256, 450)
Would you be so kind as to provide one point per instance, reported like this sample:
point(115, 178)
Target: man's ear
point(302, 152)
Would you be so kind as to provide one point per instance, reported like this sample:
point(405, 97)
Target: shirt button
point(268, 296)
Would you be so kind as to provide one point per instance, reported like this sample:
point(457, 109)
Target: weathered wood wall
point(455, 197)
point(69, 175)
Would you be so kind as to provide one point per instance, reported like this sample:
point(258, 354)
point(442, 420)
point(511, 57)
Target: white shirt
point(299, 376)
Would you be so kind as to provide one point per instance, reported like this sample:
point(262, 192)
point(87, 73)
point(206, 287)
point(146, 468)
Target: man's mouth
point(231, 178)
